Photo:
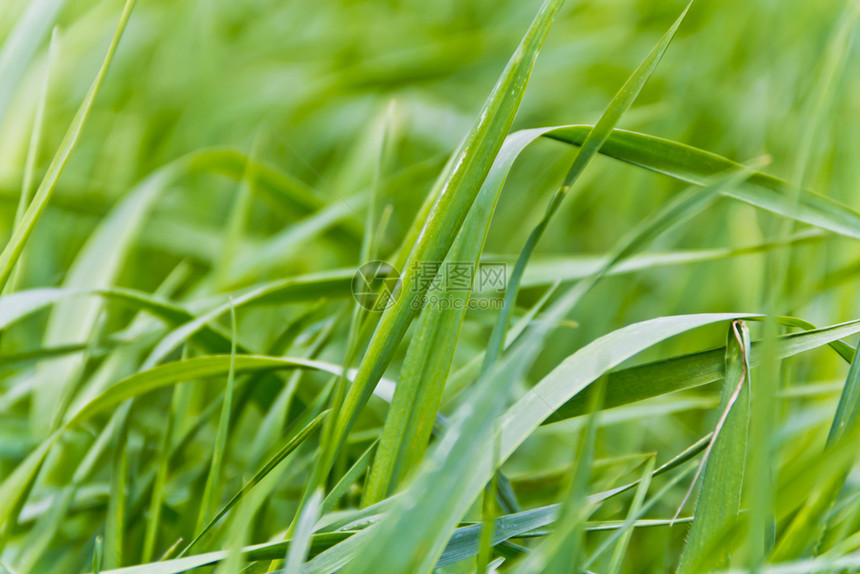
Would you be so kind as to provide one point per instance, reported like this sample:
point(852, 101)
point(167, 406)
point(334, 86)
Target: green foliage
point(187, 382)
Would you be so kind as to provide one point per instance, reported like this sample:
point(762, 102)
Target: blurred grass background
point(300, 84)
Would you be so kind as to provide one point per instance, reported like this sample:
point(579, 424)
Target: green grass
point(666, 382)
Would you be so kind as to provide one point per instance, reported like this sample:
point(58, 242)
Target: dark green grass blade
point(669, 375)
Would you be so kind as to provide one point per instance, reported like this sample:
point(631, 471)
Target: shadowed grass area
point(611, 326)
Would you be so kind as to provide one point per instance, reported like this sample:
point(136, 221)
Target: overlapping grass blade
point(96, 266)
point(563, 549)
point(212, 492)
point(660, 377)
point(467, 172)
point(725, 459)
point(589, 149)
point(289, 446)
point(33, 146)
point(428, 359)
point(798, 536)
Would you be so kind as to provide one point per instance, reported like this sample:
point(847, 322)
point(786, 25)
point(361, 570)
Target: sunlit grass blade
point(297, 552)
point(677, 373)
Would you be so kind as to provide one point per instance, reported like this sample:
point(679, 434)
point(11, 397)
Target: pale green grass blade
point(115, 528)
point(297, 552)
point(12, 251)
point(33, 147)
point(21, 44)
point(212, 490)
point(563, 549)
point(97, 266)
point(457, 193)
point(193, 369)
point(620, 550)
point(724, 461)
point(589, 149)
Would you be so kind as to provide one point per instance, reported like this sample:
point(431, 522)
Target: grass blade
point(457, 193)
point(590, 147)
point(724, 460)
point(12, 251)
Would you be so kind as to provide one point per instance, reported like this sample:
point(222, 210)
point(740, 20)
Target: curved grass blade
point(12, 251)
point(648, 380)
point(428, 359)
point(97, 266)
point(696, 166)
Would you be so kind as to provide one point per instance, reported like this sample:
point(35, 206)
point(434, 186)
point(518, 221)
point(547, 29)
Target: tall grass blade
point(9, 255)
point(724, 460)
